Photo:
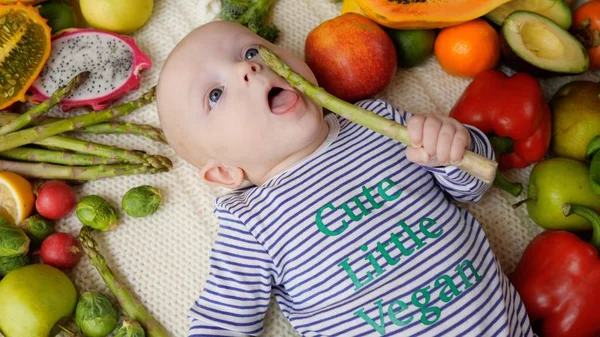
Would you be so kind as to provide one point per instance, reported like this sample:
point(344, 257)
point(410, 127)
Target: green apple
point(554, 182)
point(119, 16)
point(33, 299)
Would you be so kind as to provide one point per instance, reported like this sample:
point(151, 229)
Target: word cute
point(382, 189)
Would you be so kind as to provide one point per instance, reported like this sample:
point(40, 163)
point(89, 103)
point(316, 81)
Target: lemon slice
point(16, 197)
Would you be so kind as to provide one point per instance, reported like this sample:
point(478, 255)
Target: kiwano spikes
point(114, 62)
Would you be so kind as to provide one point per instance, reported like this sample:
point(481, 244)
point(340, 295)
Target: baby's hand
point(436, 140)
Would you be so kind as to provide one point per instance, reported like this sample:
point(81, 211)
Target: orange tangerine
point(467, 49)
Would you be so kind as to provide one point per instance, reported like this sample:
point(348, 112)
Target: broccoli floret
point(231, 10)
point(252, 14)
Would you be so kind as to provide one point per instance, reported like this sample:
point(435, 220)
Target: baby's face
point(218, 100)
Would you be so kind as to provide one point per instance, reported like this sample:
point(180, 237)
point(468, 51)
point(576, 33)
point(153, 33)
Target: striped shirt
point(355, 240)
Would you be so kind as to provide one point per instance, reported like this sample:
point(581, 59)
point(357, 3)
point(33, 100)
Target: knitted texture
point(163, 259)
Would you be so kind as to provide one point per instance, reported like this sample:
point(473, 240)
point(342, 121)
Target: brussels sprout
point(141, 201)
point(95, 315)
point(130, 329)
point(37, 228)
point(8, 264)
point(94, 211)
point(13, 241)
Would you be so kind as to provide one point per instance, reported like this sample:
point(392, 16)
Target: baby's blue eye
point(251, 53)
point(214, 96)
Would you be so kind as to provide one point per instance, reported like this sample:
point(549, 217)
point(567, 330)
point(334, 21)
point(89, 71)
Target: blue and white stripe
point(269, 245)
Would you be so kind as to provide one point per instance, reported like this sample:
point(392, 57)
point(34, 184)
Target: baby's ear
point(221, 175)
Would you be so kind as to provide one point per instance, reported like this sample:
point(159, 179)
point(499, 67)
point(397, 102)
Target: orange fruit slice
point(24, 49)
point(467, 49)
point(16, 197)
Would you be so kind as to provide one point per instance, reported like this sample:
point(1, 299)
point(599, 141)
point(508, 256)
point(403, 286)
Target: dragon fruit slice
point(114, 62)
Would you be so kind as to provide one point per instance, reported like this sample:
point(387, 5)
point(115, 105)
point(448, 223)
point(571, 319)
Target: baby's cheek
point(248, 136)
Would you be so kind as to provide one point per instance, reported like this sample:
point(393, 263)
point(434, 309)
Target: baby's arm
point(238, 290)
point(440, 137)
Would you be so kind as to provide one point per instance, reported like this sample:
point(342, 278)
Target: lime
point(60, 15)
point(117, 16)
point(413, 47)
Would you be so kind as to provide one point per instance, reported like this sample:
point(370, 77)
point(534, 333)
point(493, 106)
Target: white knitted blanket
point(163, 259)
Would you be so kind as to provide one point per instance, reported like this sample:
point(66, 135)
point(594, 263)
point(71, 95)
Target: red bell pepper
point(509, 107)
point(558, 279)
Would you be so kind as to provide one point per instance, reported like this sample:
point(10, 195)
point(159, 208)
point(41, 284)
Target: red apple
point(352, 57)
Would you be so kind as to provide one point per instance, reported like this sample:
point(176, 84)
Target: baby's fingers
point(417, 155)
point(431, 132)
point(444, 143)
point(415, 130)
point(460, 143)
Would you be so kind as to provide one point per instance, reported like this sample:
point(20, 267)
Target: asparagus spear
point(27, 136)
point(106, 151)
point(43, 107)
point(132, 308)
point(50, 171)
point(7, 116)
point(147, 131)
point(112, 127)
point(477, 165)
point(31, 154)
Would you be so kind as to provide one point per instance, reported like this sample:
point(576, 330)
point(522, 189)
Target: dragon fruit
point(114, 62)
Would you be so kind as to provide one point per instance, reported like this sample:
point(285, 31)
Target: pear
point(575, 118)
point(33, 299)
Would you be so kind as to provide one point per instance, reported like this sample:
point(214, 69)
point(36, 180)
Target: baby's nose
point(248, 69)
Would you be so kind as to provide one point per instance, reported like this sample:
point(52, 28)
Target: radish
point(55, 200)
point(61, 250)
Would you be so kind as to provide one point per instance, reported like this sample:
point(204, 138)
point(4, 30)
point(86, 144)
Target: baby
point(351, 231)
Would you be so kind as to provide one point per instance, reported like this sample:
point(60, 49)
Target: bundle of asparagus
point(38, 148)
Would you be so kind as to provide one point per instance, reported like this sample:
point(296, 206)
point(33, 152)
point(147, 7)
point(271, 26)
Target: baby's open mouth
point(282, 100)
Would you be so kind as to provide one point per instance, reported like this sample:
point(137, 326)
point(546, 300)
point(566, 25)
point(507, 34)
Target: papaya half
point(25, 2)
point(425, 14)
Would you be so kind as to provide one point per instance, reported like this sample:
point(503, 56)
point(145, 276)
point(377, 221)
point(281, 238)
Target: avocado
point(555, 10)
point(531, 39)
